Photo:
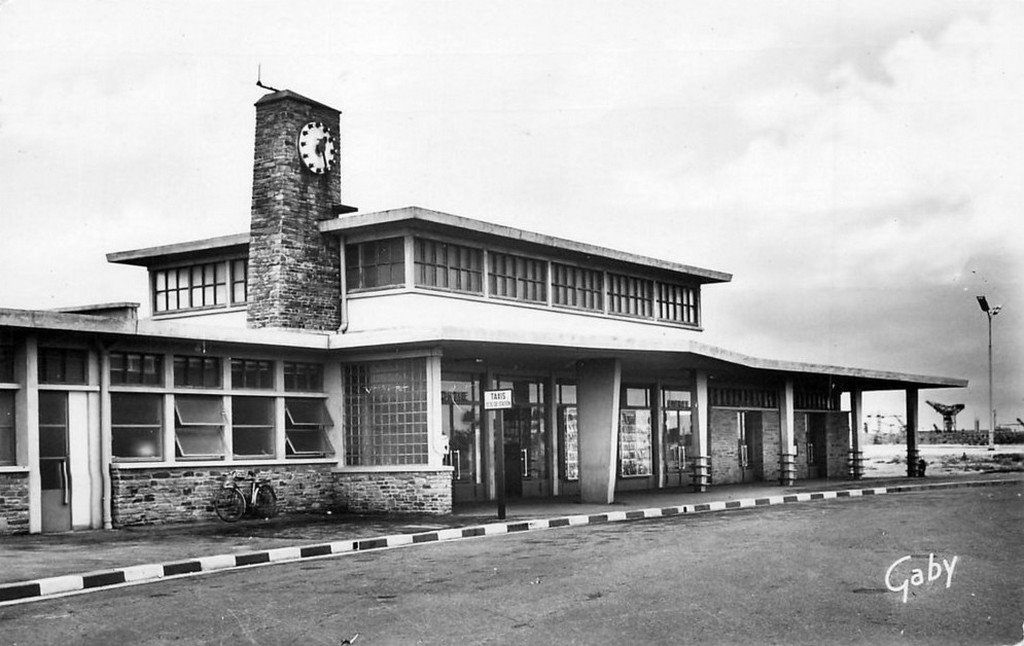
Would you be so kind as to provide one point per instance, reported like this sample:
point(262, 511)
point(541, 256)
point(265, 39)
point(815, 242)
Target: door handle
point(64, 482)
point(526, 459)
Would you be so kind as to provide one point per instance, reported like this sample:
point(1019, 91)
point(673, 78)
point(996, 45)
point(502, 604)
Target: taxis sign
point(497, 399)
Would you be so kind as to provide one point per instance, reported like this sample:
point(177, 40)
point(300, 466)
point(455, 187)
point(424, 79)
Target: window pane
point(637, 397)
point(53, 408)
point(8, 454)
point(307, 412)
point(136, 442)
point(131, 409)
point(307, 442)
point(252, 411)
point(199, 442)
point(253, 442)
point(199, 410)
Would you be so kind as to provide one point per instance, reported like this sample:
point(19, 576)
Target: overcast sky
point(858, 166)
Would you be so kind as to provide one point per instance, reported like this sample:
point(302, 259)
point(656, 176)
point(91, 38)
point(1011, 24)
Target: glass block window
point(306, 424)
point(239, 281)
point(375, 264)
point(136, 425)
point(252, 373)
point(576, 287)
point(136, 369)
point(193, 286)
point(386, 412)
point(199, 427)
point(677, 303)
point(62, 366)
point(518, 277)
point(303, 377)
point(252, 427)
point(6, 363)
point(8, 452)
point(449, 266)
point(630, 296)
point(197, 372)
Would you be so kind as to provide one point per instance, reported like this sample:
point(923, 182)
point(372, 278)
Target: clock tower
point(293, 279)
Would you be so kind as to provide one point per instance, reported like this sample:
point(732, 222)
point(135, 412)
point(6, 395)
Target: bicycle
point(231, 503)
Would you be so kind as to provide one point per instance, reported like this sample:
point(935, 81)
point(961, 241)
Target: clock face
point(316, 147)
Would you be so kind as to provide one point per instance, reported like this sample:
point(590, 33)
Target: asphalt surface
point(808, 573)
point(27, 557)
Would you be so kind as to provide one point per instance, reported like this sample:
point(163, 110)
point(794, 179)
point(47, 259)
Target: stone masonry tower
point(294, 276)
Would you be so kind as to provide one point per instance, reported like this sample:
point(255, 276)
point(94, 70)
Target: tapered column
point(701, 434)
point(856, 423)
point(598, 410)
point(787, 447)
point(912, 454)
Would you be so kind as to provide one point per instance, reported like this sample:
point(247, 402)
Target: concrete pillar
point(599, 382)
point(856, 423)
point(912, 454)
point(701, 433)
point(787, 447)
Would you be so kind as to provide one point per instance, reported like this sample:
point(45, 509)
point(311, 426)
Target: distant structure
point(948, 412)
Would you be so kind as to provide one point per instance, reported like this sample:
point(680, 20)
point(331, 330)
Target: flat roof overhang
point(237, 242)
point(551, 350)
point(445, 223)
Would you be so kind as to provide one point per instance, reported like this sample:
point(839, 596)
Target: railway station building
point(343, 356)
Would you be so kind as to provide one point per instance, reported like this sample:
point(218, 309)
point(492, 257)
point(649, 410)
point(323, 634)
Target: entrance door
point(751, 446)
point(677, 436)
point(525, 434)
point(54, 467)
point(460, 403)
point(816, 446)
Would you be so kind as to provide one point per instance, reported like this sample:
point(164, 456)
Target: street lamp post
point(990, 312)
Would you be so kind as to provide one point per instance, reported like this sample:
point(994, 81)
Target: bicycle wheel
point(229, 504)
point(265, 505)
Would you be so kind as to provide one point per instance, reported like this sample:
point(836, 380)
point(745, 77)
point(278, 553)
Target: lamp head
point(995, 310)
point(983, 302)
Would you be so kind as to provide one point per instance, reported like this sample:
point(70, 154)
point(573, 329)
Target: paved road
point(800, 574)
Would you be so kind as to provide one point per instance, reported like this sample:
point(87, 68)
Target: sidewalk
point(24, 558)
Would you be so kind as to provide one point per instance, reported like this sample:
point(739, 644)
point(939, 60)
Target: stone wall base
point(14, 503)
point(178, 494)
point(422, 492)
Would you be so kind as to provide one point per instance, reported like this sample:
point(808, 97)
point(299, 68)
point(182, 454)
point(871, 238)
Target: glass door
point(54, 470)
point(677, 434)
point(751, 445)
point(525, 436)
point(460, 403)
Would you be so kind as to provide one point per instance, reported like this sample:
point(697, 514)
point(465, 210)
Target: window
point(8, 452)
point(635, 429)
point(569, 454)
point(6, 363)
point(199, 425)
point(136, 369)
point(252, 427)
point(517, 277)
point(386, 412)
point(193, 286)
point(677, 303)
point(197, 372)
point(252, 373)
point(303, 377)
point(449, 266)
point(306, 422)
point(743, 397)
point(136, 425)
point(576, 287)
point(61, 366)
point(630, 296)
point(239, 281)
point(375, 264)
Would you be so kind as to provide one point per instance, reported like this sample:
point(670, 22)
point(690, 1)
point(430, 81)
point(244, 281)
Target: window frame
point(8, 429)
point(467, 267)
point(515, 277)
point(363, 264)
point(294, 429)
point(156, 426)
point(119, 376)
point(270, 427)
point(62, 355)
point(198, 426)
point(186, 381)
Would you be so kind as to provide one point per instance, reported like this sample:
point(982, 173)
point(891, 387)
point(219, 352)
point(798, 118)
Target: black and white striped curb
point(38, 589)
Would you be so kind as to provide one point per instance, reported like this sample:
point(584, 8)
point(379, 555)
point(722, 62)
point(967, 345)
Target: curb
point(39, 589)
